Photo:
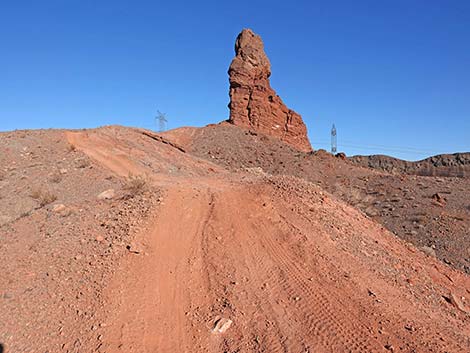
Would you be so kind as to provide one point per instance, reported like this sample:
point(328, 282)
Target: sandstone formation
point(253, 103)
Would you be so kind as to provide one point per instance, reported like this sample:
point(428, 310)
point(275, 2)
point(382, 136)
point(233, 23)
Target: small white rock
point(59, 208)
point(221, 325)
point(107, 194)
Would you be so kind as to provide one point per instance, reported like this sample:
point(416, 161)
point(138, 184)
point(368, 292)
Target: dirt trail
point(151, 291)
point(105, 151)
point(292, 269)
point(228, 251)
point(168, 300)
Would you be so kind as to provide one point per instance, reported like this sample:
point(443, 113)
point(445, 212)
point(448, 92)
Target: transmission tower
point(333, 140)
point(161, 118)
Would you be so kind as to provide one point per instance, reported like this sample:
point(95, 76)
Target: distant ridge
point(444, 165)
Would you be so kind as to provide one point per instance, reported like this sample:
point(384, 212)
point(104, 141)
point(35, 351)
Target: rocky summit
point(253, 103)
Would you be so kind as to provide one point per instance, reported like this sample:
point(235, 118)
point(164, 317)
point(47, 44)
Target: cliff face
point(253, 103)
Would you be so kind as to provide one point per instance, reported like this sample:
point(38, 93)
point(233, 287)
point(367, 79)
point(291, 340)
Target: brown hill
point(124, 240)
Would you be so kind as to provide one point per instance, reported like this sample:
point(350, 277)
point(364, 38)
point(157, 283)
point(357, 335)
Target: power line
point(376, 149)
point(348, 143)
point(392, 147)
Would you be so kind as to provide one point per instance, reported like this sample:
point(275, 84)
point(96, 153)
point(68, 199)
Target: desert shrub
point(25, 214)
point(44, 197)
point(135, 184)
point(55, 177)
point(71, 147)
point(417, 218)
point(83, 163)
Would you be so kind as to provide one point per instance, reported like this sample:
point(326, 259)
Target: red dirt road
point(293, 269)
point(289, 282)
point(151, 292)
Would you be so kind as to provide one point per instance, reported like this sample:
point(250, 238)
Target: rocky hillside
point(444, 165)
point(432, 213)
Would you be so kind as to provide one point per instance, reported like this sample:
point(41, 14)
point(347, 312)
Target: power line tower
point(333, 140)
point(161, 118)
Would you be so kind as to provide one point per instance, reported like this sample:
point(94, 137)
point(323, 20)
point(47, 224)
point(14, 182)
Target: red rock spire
point(253, 103)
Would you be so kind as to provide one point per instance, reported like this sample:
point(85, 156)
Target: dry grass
point(417, 218)
point(25, 214)
point(55, 177)
point(136, 184)
point(44, 197)
point(83, 163)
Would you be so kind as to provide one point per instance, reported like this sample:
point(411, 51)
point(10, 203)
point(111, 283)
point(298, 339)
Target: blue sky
point(394, 76)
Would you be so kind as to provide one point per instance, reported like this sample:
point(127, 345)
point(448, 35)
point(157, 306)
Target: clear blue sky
point(394, 76)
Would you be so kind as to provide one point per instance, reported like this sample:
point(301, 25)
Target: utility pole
point(161, 118)
point(333, 140)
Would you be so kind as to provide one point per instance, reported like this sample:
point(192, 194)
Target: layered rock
point(253, 103)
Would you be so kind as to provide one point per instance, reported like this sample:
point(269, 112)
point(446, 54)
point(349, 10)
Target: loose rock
point(107, 194)
point(221, 325)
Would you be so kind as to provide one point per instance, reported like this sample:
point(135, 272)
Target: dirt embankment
point(65, 224)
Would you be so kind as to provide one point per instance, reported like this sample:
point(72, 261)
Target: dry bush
point(83, 163)
point(55, 177)
point(417, 218)
point(371, 211)
point(353, 194)
point(44, 197)
point(25, 214)
point(136, 184)
point(71, 148)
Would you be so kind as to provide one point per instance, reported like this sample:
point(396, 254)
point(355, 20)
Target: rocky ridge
point(443, 165)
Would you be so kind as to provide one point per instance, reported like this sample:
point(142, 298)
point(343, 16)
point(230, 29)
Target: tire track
point(326, 327)
point(272, 335)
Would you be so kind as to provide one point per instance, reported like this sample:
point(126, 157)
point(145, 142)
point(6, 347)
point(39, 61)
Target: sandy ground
point(207, 259)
